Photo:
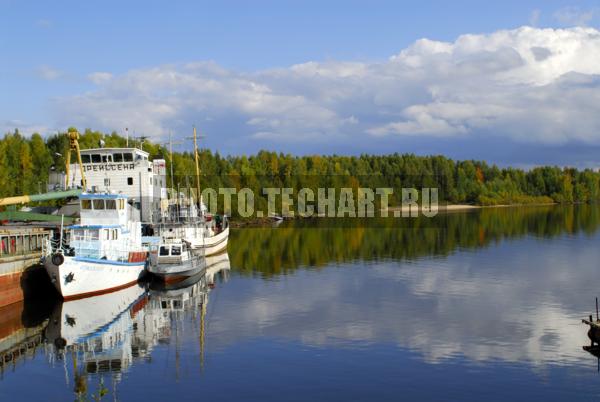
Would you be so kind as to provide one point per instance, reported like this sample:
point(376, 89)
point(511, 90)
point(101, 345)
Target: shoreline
point(468, 207)
point(451, 208)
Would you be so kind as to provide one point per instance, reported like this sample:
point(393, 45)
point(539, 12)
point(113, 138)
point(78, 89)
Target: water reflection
point(443, 292)
point(22, 328)
point(494, 296)
point(97, 339)
point(316, 243)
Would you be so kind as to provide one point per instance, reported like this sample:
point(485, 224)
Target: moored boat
point(103, 253)
point(206, 234)
point(173, 260)
point(188, 220)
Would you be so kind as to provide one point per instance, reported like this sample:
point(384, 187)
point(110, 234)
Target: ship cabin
point(127, 171)
point(106, 231)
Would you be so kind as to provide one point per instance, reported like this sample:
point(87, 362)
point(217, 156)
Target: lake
point(478, 305)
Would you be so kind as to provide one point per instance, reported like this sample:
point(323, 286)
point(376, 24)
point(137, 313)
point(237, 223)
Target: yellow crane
point(73, 136)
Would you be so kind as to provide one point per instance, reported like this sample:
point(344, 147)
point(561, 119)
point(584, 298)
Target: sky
point(513, 82)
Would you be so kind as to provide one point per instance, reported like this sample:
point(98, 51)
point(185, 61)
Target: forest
point(26, 160)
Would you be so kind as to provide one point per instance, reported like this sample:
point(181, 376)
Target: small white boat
point(208, 235)
point(173, 260)
point(103, 253)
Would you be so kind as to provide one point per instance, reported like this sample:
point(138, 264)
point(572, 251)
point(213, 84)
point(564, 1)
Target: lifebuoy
point(58, 259)
point(60, 343)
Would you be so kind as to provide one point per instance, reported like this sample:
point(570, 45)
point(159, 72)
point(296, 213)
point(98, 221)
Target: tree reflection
point(316, 243)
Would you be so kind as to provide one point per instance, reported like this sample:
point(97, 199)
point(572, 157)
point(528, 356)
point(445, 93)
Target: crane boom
point(73, 136)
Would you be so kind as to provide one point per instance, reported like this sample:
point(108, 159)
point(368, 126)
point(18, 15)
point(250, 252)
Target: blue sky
point(91, 64)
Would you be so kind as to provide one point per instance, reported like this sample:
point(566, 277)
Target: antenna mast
point(197, 170)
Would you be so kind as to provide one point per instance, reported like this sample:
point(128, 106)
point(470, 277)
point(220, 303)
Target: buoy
point(58, 259)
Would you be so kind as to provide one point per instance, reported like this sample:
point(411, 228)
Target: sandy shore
point(441, 208)
point(466, 207)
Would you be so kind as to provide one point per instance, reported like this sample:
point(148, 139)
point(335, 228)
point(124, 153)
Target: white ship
point(189, 221)
point(104, 252)
point(206, 234)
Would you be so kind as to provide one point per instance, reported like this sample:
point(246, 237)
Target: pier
point(20, 253)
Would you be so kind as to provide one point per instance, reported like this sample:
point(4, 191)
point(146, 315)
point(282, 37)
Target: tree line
point(26, 161)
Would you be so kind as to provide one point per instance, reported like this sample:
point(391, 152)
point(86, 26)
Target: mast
point(197, 171)
point(171, 159)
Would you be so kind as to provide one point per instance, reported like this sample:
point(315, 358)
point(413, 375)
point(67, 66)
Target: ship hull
point(83, 277)
point(177, 272)
point(212, 245)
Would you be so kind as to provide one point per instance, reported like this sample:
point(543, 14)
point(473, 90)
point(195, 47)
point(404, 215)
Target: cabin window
point(4, 246)
point(98, 204)
point(163, 250)
point(106, 234)
point(92, 234)
point(111, 204)
point(78, 234)
point(86, 204)
point(85, 158)
point(121, 204)
point(105, 158)
point(127, 157)
point(118, 157)
point(106, 182)
point(115, 235)
point(130, 181)
point(96, 158)
point(176, 250)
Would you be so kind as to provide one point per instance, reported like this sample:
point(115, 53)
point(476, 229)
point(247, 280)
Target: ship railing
point(89, 250)
point(51, 246)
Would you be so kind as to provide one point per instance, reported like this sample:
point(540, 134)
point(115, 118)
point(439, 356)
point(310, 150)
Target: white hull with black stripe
point(80, 277)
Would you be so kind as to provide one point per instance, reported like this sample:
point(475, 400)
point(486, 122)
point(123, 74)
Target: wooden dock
point(20, 269)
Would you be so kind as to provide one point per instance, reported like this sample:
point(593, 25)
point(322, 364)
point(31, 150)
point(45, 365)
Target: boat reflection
point(22, 326)
point(98, 330)
point(170, 304)
point(104, 335)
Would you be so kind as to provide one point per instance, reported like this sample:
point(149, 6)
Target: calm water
point(484, 305)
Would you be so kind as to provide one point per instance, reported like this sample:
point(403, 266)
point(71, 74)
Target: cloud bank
point(526, 86)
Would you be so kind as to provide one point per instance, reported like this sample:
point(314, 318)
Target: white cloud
point(48, 73)
point(574, 16)
point(534, 18)
point(24, 127)
point(100, 78)
point(527, 84)
point(44, 23)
